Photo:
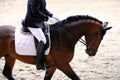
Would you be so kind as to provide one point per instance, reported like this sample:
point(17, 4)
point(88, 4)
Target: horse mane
point(58, 27)
point(76, 18)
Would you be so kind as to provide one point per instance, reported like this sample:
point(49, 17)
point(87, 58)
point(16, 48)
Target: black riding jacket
point(36, 13)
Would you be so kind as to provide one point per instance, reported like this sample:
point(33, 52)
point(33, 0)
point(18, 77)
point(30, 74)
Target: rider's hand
point(52, 20)
point(46, 18)
point(57, 19)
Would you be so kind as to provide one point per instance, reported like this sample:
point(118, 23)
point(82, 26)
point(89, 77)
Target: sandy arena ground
point(104, 66)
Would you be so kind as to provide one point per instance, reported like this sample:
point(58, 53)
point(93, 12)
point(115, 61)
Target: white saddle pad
point(24, 42)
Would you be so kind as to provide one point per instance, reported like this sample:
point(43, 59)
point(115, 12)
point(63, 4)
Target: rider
point(35, 17)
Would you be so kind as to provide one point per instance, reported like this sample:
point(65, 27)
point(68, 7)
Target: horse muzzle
point(90, 51)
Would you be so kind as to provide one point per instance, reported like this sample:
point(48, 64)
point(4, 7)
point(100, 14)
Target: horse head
point(93, 40)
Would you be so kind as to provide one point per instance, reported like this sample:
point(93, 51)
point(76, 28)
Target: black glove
point(46, 18)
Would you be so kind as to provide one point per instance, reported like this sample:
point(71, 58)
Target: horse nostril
point(90, 51)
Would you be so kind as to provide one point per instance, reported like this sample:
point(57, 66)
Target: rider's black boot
point(40, 56)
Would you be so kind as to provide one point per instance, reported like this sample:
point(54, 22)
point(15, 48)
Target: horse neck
point(62, 37)
point(68, 35)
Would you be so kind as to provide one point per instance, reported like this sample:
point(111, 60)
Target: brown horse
point(64, 36)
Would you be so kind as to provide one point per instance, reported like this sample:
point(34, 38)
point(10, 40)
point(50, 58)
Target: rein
point(80, 40)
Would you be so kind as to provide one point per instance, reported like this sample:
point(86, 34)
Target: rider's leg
point(40, 56)
point(41, 47)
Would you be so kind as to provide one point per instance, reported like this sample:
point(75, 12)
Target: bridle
point(89, 48)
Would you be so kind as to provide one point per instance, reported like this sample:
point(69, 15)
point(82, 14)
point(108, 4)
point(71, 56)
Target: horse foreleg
point(9, 63)
point(66, 68)
point(49, 73)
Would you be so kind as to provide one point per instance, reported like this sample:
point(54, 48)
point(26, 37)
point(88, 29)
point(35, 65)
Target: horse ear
point(107, 28)
point(104, 24)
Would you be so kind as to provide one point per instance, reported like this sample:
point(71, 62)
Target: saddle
point(37, 38)
point(26, 42)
